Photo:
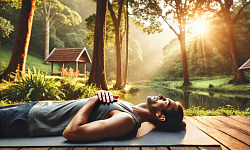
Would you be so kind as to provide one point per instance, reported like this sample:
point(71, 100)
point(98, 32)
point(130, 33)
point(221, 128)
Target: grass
point(211, 84)
point(32, 61)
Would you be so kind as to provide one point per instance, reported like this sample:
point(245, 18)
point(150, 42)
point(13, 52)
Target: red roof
point(68, 55)
point(246, 65)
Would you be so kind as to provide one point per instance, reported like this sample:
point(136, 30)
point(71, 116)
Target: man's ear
point(160, 116)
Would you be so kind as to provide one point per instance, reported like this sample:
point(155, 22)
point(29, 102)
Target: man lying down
point(97, 118)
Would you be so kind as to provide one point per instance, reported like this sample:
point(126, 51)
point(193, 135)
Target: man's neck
point(142, 112)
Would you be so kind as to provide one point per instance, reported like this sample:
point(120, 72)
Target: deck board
point(227, 129)
point(223, 138)
point(234, 124)
point(184, 148)
point(242, 119)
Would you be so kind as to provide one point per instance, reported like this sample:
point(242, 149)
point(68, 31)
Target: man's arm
point(119, 124)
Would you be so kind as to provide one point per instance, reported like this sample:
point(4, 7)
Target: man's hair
point(174, 120)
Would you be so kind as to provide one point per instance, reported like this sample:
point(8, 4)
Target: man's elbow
point(70, 135)
point(67, 135)
point(75, 135)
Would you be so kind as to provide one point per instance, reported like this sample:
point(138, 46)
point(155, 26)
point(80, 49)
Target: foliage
point(215, 59)
point(31, 87)
point(55, 41)
point(2, 67)
point(61, 15)
point(73, 91)
point(5, 27)
point(110, 31)
point(227, 110)
point(35, 86)
point(74, 39)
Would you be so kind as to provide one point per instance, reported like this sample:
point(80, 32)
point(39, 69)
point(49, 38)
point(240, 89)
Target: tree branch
point(170, 26)
point(120, 9)
point(239, 12)
point(112, 13)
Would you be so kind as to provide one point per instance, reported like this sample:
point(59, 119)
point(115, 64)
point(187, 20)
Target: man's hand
point(105, 97)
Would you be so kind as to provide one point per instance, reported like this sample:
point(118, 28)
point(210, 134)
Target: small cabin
point(69, 55)
point(246, 65)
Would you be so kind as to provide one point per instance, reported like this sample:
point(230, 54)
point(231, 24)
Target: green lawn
point(211, 84)
point(32, 61)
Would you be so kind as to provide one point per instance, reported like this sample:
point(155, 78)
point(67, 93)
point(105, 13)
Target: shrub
point(31, 87)
point(220, 111)
point(73, 91)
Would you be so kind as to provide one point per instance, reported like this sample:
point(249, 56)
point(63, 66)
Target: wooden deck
point(231, 132)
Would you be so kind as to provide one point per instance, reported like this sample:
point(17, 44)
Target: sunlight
point(198, 26)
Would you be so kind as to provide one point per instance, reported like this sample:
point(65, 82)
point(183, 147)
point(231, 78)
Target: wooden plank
point(36, 148)
point(184, 148)
point(126, 148)
point(219, 136)
point(9, 148)
point(225, 128)
point(162, 148)
point(148, 148)
point(210, 148)
point(62, 148)
point(154, 148)
point(80, 148)
point(242, 119)
point(99, 148)
point(234, 124)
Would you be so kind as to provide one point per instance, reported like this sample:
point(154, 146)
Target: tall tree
point(226, 7)
point(118, 39)
point(57, 14)
point(98, 73)
point(19, 55)
point(127, 50)
point(150, 13)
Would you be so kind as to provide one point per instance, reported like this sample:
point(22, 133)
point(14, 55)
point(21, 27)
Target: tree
point(98, 73)
point(118, 40)
point(225, 12)
point(19, 55)
point(57, 14)
point(127, 49)
point(151, 11)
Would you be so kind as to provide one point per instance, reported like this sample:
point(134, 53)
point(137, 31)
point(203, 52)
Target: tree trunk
point(182, 40)
point(127, 50)
point(238, 74)
point(19, 55)
point(98, 73)
point(46, 50)
point(118, 42)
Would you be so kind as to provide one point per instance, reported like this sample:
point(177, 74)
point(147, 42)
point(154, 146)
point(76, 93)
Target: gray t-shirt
point(50, 118)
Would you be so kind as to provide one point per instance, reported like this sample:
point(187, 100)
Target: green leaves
point(36, 86)
point(33, 86)
point(221, 111)
point(5, 27)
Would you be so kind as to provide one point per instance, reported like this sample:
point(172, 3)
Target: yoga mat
point(145, 137)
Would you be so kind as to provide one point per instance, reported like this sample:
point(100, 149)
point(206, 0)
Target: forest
point(208, 38)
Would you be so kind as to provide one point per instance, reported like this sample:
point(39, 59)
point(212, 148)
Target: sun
point(198, 26)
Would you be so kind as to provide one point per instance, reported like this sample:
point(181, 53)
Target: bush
point(227, 110)
point(35, 87)
point(31, 87)
point(73, 91)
